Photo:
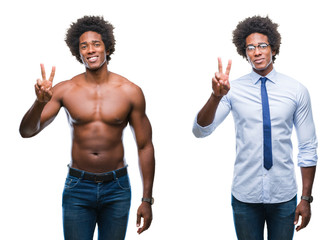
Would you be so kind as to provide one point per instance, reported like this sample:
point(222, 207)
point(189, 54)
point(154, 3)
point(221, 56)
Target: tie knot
point(263, 80)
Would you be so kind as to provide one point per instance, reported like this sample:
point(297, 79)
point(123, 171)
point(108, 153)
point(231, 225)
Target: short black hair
point(256, 24)
point(90, 23)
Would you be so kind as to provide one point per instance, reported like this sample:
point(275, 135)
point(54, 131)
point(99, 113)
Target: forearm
point(308, 175)
point(303, 208)
point(30, 124)
point(207, 114)
point(147, 169)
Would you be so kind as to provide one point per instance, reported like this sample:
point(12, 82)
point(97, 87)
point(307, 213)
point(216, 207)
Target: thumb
point(39, 82)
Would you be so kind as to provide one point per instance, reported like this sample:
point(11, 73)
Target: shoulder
point(296, 88)
point(290, 83)
point(71, 82)
point(245, 79)
point(241, 85)
point(61, 88)
point(129, 88)
point(285, 78)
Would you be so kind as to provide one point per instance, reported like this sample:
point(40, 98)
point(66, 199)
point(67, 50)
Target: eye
point(263, 46)
point(250, 48)
point(83, 47)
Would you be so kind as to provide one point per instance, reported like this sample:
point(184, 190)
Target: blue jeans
point(87, 203)
point(250, 218)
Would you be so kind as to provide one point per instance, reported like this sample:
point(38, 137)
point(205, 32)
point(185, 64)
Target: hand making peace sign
point(43, 88)
point(220, 82)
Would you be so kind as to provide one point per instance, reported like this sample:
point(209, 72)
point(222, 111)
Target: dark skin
point(99, 104)
point(261, 62)
point(303, 208)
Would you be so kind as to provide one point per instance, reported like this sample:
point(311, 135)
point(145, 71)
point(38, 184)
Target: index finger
point(220, 65)
point(52, 74)
point(228, 68)
point(43, 72)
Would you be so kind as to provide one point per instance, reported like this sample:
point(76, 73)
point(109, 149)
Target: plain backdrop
point(169, 49)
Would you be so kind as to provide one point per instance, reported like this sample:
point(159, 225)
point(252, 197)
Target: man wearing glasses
point(265, 106)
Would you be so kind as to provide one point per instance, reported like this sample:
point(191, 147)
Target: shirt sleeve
point(305, 129)
point(222, 111)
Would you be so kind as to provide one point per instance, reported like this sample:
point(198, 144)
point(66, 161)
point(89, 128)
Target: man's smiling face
point(92, 50)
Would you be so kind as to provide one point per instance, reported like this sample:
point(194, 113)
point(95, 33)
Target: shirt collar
point(271, 76)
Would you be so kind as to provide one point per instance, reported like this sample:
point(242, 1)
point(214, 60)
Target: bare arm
point(303, 209)
point(43, 110)
point(220, 87)
point(143, 134)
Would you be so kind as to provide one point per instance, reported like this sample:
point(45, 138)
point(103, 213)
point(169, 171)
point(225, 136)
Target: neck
point(263, 72)
point(97, 76)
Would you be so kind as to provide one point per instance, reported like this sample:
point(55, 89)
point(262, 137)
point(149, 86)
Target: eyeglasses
point(261, 47)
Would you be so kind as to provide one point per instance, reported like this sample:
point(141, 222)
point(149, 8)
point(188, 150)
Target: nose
point(90, 48)
point(257, 51)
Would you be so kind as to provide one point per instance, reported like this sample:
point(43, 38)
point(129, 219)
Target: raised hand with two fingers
point(43, 88)
point(220, 82)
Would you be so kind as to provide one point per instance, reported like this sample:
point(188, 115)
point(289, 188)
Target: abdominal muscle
point(97, 147)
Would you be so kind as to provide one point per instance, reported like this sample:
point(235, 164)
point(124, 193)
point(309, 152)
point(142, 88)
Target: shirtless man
point(99, 104)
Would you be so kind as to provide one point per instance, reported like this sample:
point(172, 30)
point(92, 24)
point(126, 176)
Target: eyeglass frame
point(258, 46)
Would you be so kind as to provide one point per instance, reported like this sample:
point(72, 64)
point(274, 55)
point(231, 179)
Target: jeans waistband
point(98, 177)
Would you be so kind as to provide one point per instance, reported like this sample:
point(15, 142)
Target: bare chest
point(108, 105)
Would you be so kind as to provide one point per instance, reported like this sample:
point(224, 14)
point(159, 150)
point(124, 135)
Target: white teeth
point(92, 59)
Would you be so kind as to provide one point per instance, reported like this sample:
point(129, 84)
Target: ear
point(273, 53)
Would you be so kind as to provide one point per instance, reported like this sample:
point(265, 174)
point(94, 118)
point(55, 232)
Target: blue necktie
point(266, 126)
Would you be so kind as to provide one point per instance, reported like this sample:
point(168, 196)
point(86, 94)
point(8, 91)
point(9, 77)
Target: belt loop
point(82, 174)
point(115, 175)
